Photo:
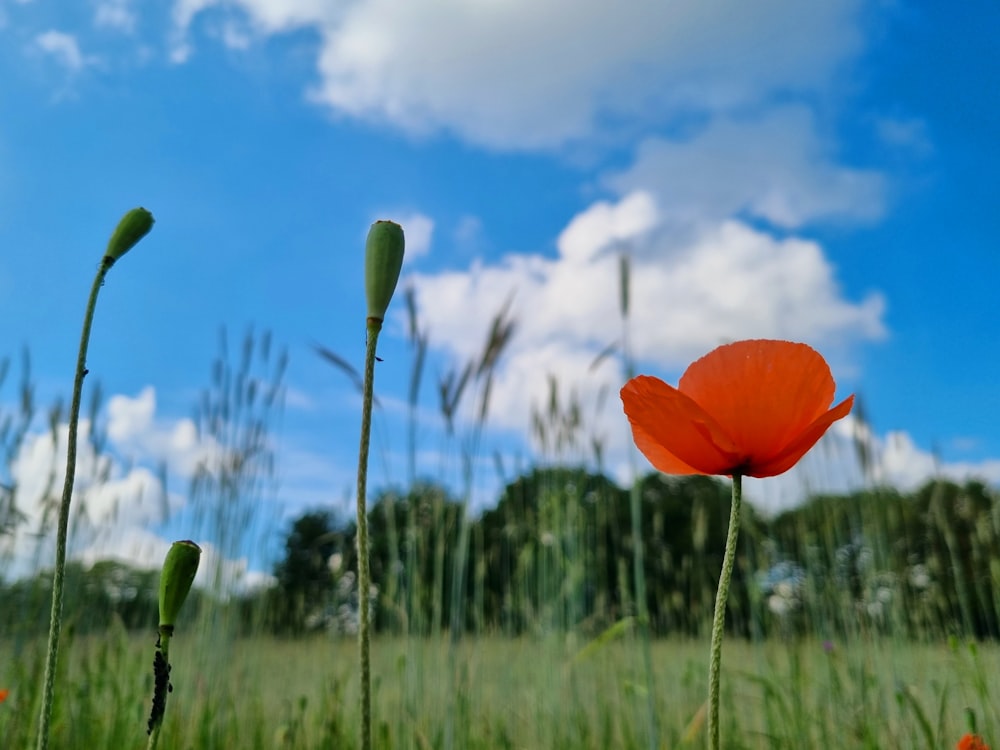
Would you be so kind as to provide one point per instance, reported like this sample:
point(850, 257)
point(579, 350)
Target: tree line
point(556, 552)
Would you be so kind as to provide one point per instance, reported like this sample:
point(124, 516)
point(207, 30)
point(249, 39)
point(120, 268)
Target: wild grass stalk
point(635, 506)
point(234, 420)
point(14, 426)
point(418, 338)
point(499, 337)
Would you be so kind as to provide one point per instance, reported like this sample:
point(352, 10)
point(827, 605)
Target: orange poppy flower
point(751, 407)
point(972, 742)
point(3, 694)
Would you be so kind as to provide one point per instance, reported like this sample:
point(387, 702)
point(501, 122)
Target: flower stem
point(59, 574)
point(719, 619)
point(364, 572)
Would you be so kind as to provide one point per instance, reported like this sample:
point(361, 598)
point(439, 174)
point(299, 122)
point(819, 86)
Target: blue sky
point(823, 172)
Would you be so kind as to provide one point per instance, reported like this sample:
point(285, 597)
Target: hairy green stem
point(719, 619)
point(59, 574)
point(364, 572)
point(642, 607)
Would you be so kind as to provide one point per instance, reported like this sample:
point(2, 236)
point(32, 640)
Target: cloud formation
point(834, 466)
point(109, 498)
point(419, 229)
point(728, 281)
point(772, 166)
point(115, 14)
point(688, 291)
point(132, 426)
point(117, 498)
point(520, 74)
point(64, 49)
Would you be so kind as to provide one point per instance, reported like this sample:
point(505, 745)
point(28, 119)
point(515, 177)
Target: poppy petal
point(674, 432)
point(798, 447)
point(658, 456)
point(764, 393)
point(972, 742)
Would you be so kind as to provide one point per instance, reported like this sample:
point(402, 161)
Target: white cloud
point(129, 417)
point(145, 550)
point(117, 499)
point(269, 16)
point(604, 225)
point(184, 11)
point(136, 547)
point(688, 293)
point(63, 48)
point(735, 282)
point(132, 426)
point(899, 462)
point(772, 167)
point(115, 14)
point(109, 499)
point(834, 466)
point(235, 36)
point(259, 17)
point(730, 281)
point(522, 74)
point(419, 229)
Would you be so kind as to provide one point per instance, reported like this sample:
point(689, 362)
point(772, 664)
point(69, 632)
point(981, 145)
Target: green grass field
point(899, 584)
point(503, 693)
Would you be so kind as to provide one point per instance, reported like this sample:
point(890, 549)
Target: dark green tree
point(304, 576)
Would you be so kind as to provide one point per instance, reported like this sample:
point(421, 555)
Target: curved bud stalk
point(131, 228)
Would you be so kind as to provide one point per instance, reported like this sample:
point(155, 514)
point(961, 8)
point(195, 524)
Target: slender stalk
point(642, 605)
point(364, 572)
point(59, 575)
point(719, 620)
point(635, 509)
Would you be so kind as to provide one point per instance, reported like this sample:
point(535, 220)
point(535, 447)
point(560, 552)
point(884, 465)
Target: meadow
point(555, 692)
point(573, 614)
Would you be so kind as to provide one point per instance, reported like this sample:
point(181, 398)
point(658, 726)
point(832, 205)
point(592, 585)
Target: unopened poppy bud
point(178, 574)
point(133, 227)
point(383, 260)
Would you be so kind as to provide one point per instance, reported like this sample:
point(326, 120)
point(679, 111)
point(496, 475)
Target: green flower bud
point(133, 227)
point(383, 260)
point(178, 574)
